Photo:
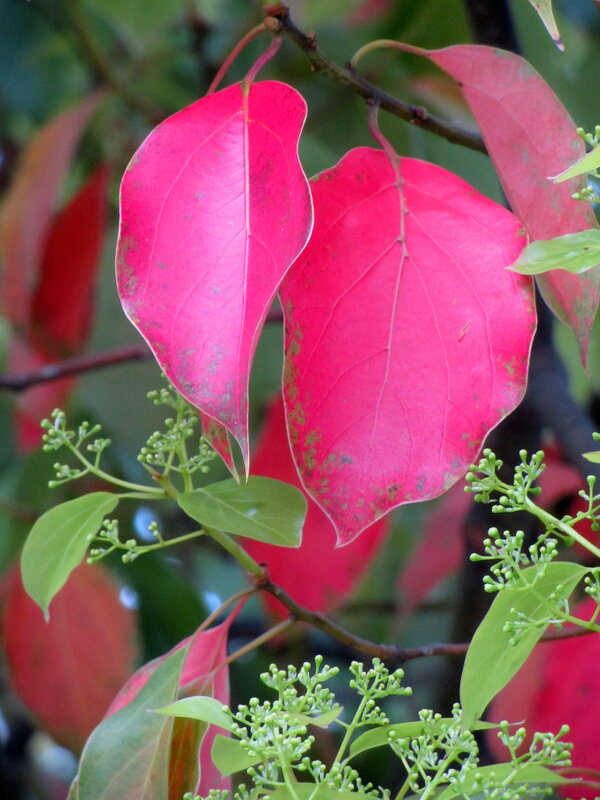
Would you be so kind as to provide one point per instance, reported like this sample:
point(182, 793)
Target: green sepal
point(586, 163)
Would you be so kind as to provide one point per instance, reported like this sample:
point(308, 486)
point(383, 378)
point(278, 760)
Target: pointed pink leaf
point(316, 574)
point(214, 209)
point(66, 671)
point(30, 202)
point(530, 135)
point(218, 437)
point(407, 340)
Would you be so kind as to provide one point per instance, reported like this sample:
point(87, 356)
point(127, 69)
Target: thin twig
point(104, 67)
point(416, 115)
point(19, 381)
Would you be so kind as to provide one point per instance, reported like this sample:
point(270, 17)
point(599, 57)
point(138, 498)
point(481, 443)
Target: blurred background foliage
point(161, 55)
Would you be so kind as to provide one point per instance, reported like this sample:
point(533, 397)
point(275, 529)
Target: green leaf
point(263, 509)
point(586, 163)
point(378, 737)
point(230, 756)
point(304, 791)
point(545, 13)
point(491, 660)
point(127, 755)
point(58, 541)
point(573, 252)
point(500, 772)
point(593, 456)
point(321, 721)
point(200, 707)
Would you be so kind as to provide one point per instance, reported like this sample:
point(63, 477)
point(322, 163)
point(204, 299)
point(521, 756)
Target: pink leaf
point(557, 686)
point(67, 671)
point(218, 437)
point(215, 207)
point(407, 340)
point(530, 135)
point(29, 204)
point(60, 312)
point(204, 672)
point(438, 553)
point(315, 574)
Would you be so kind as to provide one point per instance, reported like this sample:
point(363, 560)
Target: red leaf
point(61, 309)
point(29, 205)
point(68, 670)
point(439, 552)
point(558, 685)
point(406, 339)
point(204, 672)
point(530, 135)
point(215, 207)
point(316, 574)
point(218, 437)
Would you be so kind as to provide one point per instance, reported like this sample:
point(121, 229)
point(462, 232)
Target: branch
point(19, 381)
point(390, 653)
point(416, 115)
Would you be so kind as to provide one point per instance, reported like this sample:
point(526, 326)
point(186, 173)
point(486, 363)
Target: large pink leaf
point(30, 202)
point(214, 209)
point(530, 135)
point(407, 340)
point(315, 574)
point(68, 670)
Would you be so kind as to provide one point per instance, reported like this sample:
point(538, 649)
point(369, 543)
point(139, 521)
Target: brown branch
point(390, 653)
point(416, 115)
point(19, 381)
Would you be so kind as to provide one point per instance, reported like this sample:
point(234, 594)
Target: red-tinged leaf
point(530, 135)
point(68, 670)
point(214, 209)
point(29, 205)
point(62, 306)
point(204, 672)
point(407, 340)
point(218, 437)
point(556, 686)
point(439, 552)
point(316, 574)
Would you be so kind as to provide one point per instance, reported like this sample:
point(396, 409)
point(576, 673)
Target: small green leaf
point(378, 737)
point(58, 541)
point(586, 163)
point(545, 13)
point(127, 755)
point(304, 791)
point(491, 660)
point(203, 708)
point(573, 252)
point(500, 772)
point(230, 756)
point(593, 456)
point(263, 509)
point(321, 721)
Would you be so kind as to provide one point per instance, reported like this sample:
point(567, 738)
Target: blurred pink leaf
point(316, 574)
point(214, 209)
point(407, 340)
point(530, 135)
